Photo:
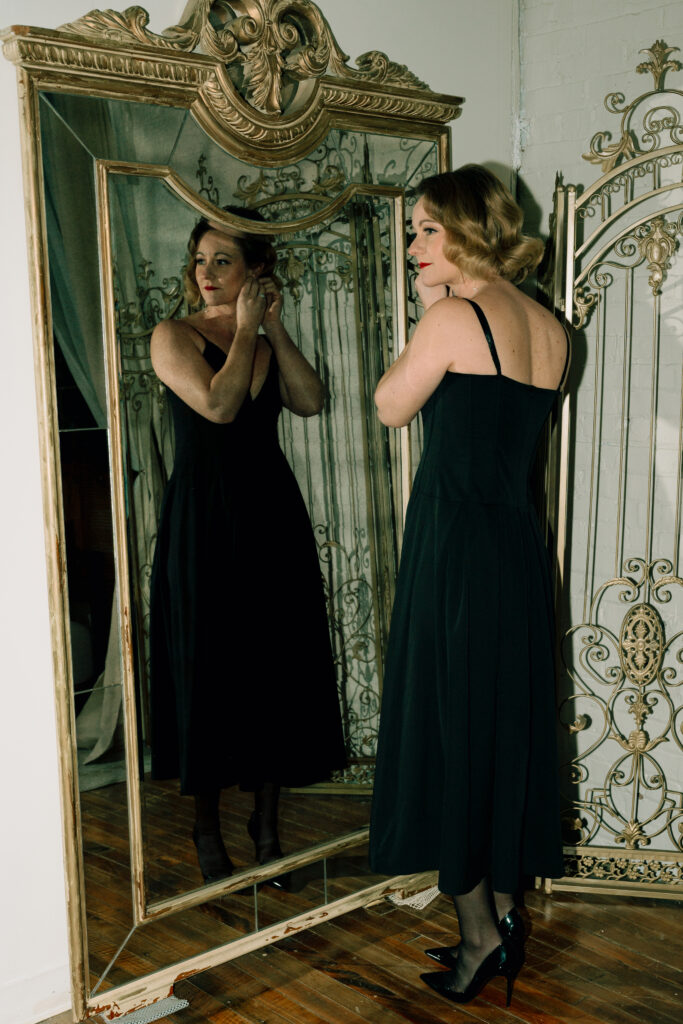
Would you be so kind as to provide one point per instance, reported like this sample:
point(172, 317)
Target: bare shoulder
point(172, 340)
point(448, 312)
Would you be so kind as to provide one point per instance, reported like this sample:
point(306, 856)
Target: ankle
point(503, 903)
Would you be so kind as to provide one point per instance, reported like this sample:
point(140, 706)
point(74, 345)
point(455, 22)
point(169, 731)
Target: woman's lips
point(209, 287)
point(421, 265)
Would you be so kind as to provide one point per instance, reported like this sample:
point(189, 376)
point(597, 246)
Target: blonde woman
point(466, 772)
point(243, 687)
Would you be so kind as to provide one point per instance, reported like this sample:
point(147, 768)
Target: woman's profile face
point(427, 248)
point(220, 269)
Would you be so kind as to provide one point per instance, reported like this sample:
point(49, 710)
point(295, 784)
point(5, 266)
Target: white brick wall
point(572, 54)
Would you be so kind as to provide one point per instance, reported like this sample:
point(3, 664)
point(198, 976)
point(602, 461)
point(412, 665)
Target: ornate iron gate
point(621, 597)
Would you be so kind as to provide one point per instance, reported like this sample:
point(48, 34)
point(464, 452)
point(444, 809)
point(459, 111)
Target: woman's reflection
point(243, 688)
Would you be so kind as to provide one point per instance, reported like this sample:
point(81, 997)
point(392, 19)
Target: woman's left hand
point(273, 300)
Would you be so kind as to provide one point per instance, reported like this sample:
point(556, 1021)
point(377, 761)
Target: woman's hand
point(251, 305)
point(428, 296)
point(273, 301)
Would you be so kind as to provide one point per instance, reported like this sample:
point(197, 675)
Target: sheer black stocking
point(478, 933)
point(503, 902)
point(206, 810)
point(211, 853)
point(262, 825)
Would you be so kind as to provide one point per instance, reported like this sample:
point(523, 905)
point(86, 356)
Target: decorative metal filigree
point(658, 65)
point(642, 646)
point(634, 670)
point(657, 120)
point(654, 242)
point(657, 245)
point(137, 317)
point(650, 874)
point(584, 301)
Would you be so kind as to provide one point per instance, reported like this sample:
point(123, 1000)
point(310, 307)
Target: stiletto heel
point(511, 928)
point(505, 960)
point(510, 980)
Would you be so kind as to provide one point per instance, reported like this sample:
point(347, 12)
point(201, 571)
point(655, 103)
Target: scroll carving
point(264, 44)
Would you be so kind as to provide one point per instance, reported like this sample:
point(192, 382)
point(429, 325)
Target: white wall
point(457, 47)
point(449, 44)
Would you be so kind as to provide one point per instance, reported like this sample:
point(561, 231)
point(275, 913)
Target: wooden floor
point(590, 959)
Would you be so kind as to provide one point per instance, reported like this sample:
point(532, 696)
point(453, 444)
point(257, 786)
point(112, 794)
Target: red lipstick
point(421, 265)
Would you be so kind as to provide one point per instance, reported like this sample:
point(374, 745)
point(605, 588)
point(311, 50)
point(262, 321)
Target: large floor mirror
point(130, 138)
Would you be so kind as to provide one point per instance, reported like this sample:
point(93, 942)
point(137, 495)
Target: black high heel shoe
point(511, 927)
point(265, 852)
point(505, 960)
point(214, 862)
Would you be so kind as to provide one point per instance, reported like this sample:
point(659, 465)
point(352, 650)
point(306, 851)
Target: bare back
point(531, 344)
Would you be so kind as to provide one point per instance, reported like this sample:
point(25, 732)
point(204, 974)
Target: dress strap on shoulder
point(487, 334)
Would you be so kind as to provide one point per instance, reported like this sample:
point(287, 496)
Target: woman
point(242, 681)
point(466, 770)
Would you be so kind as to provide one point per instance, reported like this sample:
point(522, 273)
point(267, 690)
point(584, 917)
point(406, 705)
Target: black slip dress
point(467, 776)
point(243, 688)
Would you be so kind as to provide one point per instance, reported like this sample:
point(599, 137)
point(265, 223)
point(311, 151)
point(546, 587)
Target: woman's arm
point(418, 371)
point(301, 389)
point(180, 365)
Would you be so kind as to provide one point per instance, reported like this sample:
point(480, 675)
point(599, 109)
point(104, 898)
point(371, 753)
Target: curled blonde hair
point(483, 224)
point(256, 249)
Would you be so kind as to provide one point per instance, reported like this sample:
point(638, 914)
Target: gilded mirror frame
point(235, 94)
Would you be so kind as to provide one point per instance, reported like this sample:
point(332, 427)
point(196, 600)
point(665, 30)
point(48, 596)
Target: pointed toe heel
point(511, 928)
point(505, 960)
point(446, 955)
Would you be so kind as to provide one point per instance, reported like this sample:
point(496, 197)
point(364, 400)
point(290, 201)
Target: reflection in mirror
point(331, 274)
point(340, 307)
point(242, 681)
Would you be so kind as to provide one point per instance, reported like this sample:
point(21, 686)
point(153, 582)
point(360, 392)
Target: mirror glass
point(117, 240)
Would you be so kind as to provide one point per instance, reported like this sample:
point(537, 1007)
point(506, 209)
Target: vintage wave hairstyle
point(254, 248)
point(483, 224)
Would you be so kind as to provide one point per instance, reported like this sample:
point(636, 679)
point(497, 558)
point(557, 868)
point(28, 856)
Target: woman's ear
point(257, 270)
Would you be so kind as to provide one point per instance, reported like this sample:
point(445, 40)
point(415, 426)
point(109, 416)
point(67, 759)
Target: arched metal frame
point(620, 590)
point(266, 80)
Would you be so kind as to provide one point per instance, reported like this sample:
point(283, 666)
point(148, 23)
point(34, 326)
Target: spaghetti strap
point(487, 334)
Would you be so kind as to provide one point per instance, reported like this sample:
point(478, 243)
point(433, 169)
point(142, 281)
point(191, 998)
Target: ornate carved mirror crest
point(130, 136)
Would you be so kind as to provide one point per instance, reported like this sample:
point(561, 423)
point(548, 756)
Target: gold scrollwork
point(641, 644)
point(644, 872)
point(628, 145)
point(264, 78)
point(130, 26)
point(637, 673)
point(658, 65)
point(657, 245)
point(584, 301)
point(265, 41)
